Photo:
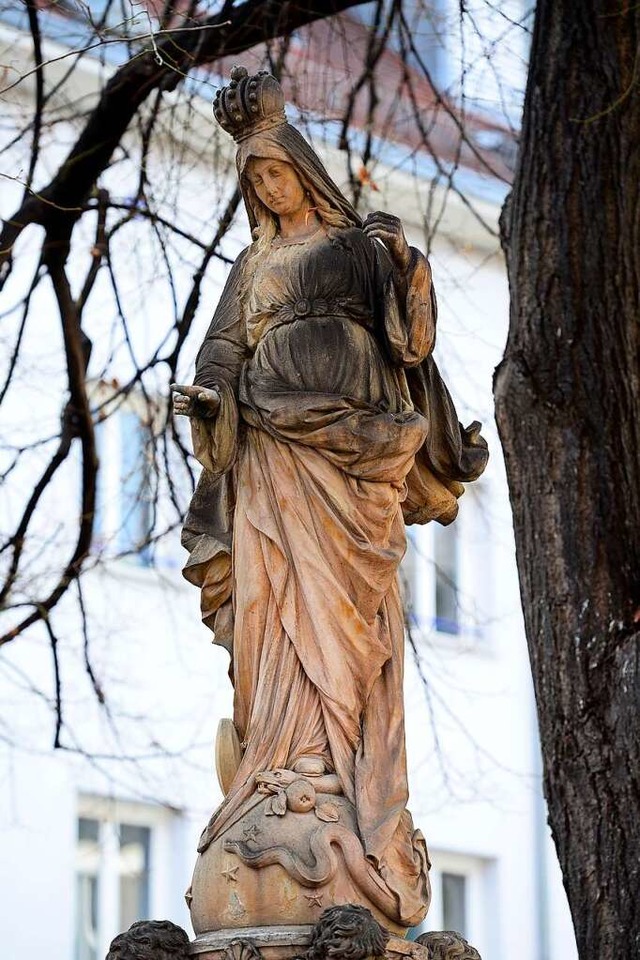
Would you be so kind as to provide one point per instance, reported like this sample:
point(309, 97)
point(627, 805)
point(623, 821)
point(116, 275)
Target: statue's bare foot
point(310, 766)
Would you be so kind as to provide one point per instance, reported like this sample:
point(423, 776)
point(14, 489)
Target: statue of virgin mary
point(323, 427)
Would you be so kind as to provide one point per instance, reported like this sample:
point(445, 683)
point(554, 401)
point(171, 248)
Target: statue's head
point(348, 932)
point(447, 945)
point(150, 940)
point(252, 110)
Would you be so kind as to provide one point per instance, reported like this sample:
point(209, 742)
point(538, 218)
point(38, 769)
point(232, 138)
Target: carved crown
point(249, 105)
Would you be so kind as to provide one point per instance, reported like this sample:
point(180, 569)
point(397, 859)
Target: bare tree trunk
point(568, 409)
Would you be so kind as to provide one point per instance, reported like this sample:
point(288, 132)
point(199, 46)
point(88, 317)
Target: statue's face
point(277, 186)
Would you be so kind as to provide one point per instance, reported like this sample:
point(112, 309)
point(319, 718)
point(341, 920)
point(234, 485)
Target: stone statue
point(447, 945)
point(347, 932)
point(150, 940)
point(323, 427)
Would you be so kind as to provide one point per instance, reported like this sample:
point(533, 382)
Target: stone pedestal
point(274, 943)
point(281, 943)
point(347, 931)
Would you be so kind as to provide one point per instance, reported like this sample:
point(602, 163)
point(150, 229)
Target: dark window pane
point(135, 482)
point(88, 830)
point(87, 889)
point(445, 549)
point(454, 911)
point(134, 874)
point(86, 918)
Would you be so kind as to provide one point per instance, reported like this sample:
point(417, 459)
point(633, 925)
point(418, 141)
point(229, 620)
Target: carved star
point(314, 899)
point(251, 832)
point(230, 874)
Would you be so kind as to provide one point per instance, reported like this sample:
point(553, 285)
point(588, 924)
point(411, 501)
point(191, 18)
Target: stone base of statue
point(281, 865)
point(270, 943)
point(345, 931)
point(285, 942)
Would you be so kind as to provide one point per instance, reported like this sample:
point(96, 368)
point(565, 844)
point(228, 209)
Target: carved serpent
point(322, 844)
point(292, 791)
point(267, 780)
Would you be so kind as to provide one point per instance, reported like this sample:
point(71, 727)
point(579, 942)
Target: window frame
point(474, 583)
point(110, 814)
point(480, 878)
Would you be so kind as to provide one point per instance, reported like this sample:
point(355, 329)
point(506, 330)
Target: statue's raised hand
point(388, 229)
point(192, 401)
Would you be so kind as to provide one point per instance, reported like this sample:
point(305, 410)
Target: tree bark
point(568, 409)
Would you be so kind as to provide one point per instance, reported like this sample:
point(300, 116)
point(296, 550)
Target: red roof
point(325, 60)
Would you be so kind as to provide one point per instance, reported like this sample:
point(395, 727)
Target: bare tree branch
point(34, 25)
point(246, 25)
point(77, 423)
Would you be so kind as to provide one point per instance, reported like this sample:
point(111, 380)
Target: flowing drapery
point(326, 432)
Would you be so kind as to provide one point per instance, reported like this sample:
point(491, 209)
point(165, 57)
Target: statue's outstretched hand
point(388, 229)
point(192, 401)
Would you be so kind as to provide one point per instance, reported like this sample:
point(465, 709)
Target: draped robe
point(333, 420)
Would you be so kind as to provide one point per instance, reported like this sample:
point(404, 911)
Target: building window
point(446, 563)
point(454, 902)
point(133, 873)
point(431, 577)
point(126, 493)
point(462, 900)
point(112, 882)
point(135, 486)
point(87, 874)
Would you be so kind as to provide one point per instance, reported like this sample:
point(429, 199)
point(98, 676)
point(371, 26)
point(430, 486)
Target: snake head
point(269, 781)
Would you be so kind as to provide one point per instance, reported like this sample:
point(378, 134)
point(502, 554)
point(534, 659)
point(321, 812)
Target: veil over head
point(283, 142)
